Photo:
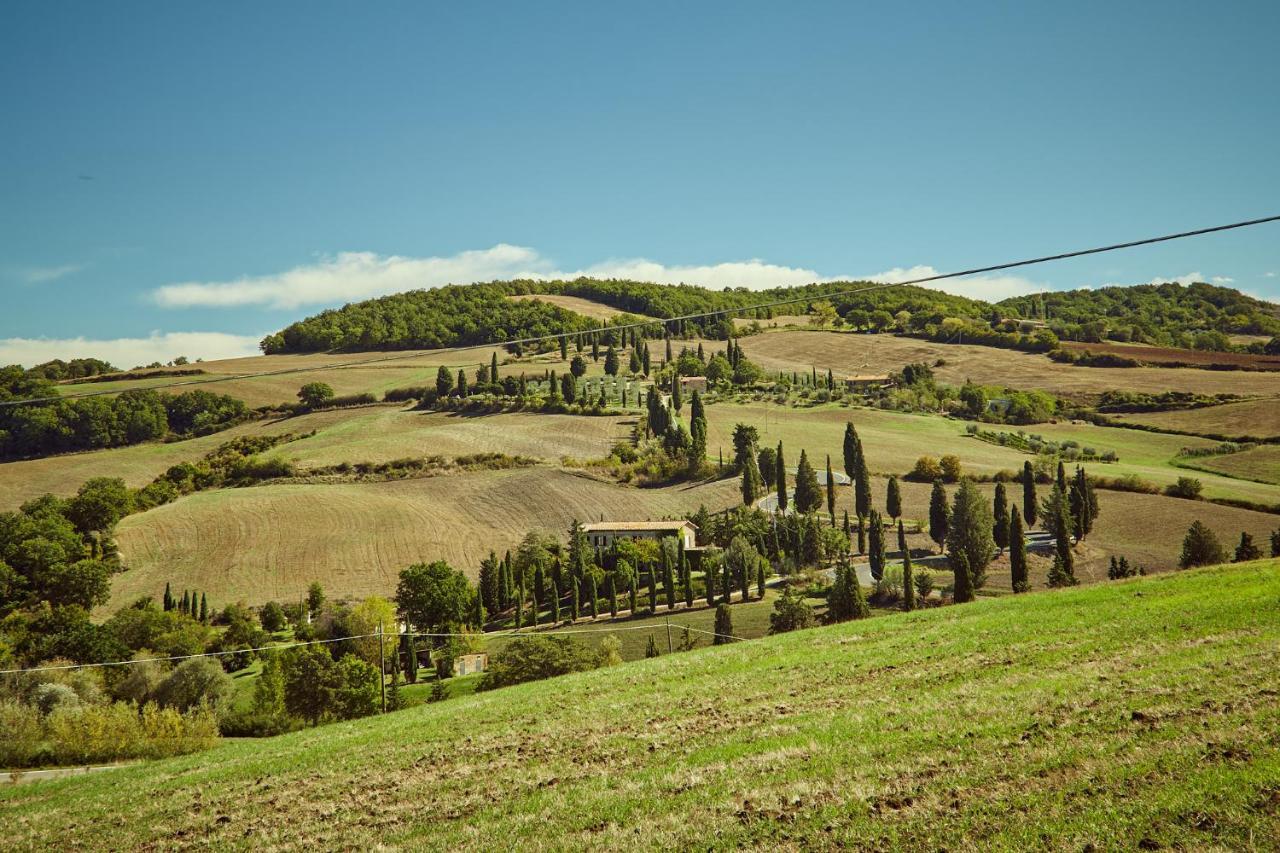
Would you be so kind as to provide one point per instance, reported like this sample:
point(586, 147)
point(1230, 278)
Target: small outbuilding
point(602, 534)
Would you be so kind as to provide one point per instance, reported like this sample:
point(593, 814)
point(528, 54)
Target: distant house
point(865, 383)
point(602, 534)
point(689, 384)
point(467, 664)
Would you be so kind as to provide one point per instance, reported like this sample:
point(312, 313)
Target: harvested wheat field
point(576, 304)
point(849, 353)
point(1170, 355)
point(269, 542)
point(1259, 418)
point(380, 434)
point(1257, 463)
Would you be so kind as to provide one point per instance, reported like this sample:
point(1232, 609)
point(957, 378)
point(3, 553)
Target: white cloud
point(129, 352)
point(1269, 275)
point(44, 275)
point(991, 288)
point(352, 276)
point(1222, 279)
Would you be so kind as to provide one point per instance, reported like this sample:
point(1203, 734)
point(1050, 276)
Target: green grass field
point(1249, 418)
point(1123, 715)
point(1258, 463)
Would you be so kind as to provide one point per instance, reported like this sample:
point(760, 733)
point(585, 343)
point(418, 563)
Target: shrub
point(1186, 487)
point(951, 468)
point(926, 470)
point(790, 613)
point(195, 682)
point(49, 697)
point(533, 658)
point(924, 582)
point(23, 734)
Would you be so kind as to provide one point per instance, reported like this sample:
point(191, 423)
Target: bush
point(951, 468)
point(195, 682)
point(272, 617)
point(926, 470)
point(1186, 487)
point(533, 658)
point(924, 582)
point(49, 697)
point(790, 613)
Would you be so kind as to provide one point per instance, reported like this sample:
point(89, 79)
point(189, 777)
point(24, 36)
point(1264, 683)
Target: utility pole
point(382, 668)
point(669, 649)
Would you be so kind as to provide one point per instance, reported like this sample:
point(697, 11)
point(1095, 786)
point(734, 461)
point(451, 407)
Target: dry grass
point(578, 305)
point(1260, 463)
point(381, 434)
point(847, 353)
point(269, 542)
point(1171, 355)
point(1259, 418)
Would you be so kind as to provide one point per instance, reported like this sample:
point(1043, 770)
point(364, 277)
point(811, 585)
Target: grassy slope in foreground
point(1132, 710)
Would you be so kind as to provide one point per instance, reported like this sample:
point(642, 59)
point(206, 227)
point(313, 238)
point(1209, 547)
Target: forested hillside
point(1166, 314)
point(1199, 315)
point(481, 313)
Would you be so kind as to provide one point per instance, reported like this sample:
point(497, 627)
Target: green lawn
point(1121, 715)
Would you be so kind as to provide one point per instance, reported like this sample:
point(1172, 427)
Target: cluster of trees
point(1165, 314)
point(915, 389)
point(58, 370)
point(1201, 547)
point(90, 423)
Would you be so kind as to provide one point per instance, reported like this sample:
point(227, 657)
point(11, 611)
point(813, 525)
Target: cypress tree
point(862, 535)
point(760, 578)
point(611, 590)
point(744, 579)
point(848, 531)
point(726, 583)
point(575, 603)
point(939, 514)
point(1000, 511)
point(709, 576)
point(204, 608)
point(462, 382)
point(1200, 547)
point(645, 359)
point(444, 381)
point(969, 540)
point(595, 348)
point(564, 348)
point(1062, 477)
point(831, 492)
point(677, 393)
point(1017, 552)
point(410, 657)
point(1063, 572)
point(555, 603)
point(877, 556)
point(185, 610)
point(1275, 542)
point(1030, 504)
point(168, 598)
point(493, 368)
point(592, 597)
point(631, 592)
point(686, 577)
point(850, 450)
point(780, 478)
point(653, 590)
point(808, 497)
point(893, 498)
point(908, 578)
point(723, 627)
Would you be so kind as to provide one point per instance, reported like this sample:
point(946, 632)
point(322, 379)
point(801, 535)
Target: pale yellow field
point(270, 542)
point(578, 305)
point(847, 353)
point(1260, 418)
point(380, 434)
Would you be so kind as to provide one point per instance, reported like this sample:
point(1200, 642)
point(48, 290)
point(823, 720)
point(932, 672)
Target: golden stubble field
point(847, 353)
point(270, 542)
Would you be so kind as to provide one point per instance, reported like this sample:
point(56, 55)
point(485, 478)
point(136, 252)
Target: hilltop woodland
point(1193, 316)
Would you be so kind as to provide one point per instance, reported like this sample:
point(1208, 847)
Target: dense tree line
point(91, 423)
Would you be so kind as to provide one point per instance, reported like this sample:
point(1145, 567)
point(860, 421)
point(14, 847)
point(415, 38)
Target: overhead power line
point(723, 312)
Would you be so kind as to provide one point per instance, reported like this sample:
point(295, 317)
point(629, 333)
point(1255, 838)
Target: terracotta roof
point(635, 525)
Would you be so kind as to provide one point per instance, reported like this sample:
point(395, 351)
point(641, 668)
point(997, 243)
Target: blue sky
point(182, 178)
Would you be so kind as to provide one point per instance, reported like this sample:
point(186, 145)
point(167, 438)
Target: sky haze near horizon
point(182, 179)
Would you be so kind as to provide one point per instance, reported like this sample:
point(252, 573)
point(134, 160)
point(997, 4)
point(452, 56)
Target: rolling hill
point(1134, 714)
